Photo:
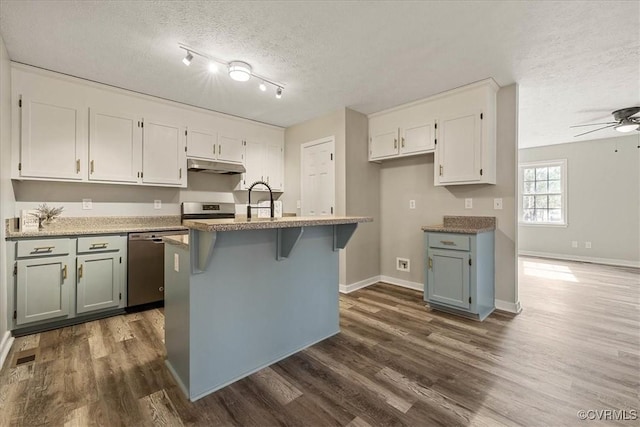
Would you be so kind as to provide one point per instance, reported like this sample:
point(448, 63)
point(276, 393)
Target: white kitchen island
point(241, 295)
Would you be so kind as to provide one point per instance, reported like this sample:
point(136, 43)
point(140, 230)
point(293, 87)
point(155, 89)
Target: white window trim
point(565, 217)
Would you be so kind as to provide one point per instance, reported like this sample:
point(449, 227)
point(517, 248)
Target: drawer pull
point(448, 242)
point(64, 272)
point(430, 263)
point(80, 272)
point(43, 249)
point(98, 245)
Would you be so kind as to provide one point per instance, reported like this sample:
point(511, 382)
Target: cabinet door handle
point(180, 173)
point(91, 167)
point(219, 149)
point(402, 142)
point(80, 271)
point(214, 149)
point(395, 143)
point(448, 242)
point(440, 170)
point(430, 263)
point(78, 166)
point(64, 272)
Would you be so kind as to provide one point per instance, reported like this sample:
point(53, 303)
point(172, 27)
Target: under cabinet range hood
point(208, 166)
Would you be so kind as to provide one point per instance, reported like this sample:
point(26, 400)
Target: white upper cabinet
point(163, 153)
point(466, 135)
point(202, 143)
point(417, 139)
point(383, 144)
point(115, 146)
point(53, 135)
point(400, 133)
point(263, 162)
point(230, 149)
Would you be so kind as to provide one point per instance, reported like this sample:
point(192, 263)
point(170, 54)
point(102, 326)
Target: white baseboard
point(510, 307)
point(403, 283)
point(595, 260)
point(5, 346)
point(345, 289)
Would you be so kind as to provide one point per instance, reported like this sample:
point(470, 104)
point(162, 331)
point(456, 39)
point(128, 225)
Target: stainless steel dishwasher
point(145, 282)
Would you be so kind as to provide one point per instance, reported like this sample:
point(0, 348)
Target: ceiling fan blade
point(595, 130)
point(594, 124)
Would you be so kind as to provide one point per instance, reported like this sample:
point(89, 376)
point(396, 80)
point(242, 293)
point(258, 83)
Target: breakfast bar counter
point(242, 294)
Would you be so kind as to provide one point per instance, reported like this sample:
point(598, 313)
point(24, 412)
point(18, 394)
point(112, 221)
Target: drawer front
point(99, 244)
point(459, 242)
point(34, 248)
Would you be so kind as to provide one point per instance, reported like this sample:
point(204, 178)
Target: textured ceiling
point(575, 61)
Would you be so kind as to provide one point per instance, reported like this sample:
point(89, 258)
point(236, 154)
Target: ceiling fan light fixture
point(627, 126)
point(239, 71)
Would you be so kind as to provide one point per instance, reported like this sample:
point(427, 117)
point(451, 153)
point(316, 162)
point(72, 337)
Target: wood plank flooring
point(576, 346)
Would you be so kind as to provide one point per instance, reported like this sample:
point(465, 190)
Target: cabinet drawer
point(458, 242)
point(99, 244)
point(34, 248)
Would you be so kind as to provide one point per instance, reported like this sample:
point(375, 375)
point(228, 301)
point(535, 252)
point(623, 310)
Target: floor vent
point(25, 359)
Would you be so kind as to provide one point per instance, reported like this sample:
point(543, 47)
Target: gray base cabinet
point(58, 280)
point(459, 273)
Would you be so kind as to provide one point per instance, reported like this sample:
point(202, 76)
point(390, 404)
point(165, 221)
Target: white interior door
point(317, 192)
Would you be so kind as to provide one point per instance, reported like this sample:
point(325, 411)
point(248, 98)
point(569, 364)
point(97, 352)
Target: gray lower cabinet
point(43, 287)
point(60, 279)
point(459, 273)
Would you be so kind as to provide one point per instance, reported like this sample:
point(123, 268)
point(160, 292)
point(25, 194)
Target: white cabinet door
point(459, 152)
point(253, 155)
point(163, 153)
point(53, 138)
point(230, 149)
point(98, 282)
point(383, 144)
point(115, 146)
point(417, 139)
point(202, 143)
point(273, 166)
point(42, 288)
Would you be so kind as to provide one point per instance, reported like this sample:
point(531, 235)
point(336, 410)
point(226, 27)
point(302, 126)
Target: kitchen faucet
point(249, 207)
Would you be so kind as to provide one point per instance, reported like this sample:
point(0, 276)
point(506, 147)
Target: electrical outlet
point(587, 245)
point(87, 204)
point(157, 204)
point(412, 204)
point(574, 243)
point(403, 264)
point(298, 205)
point(468, 203)
point(497, 204)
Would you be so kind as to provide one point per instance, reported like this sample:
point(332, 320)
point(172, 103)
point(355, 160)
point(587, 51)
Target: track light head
point(279, 93)
point(187, 59)
point(213, 67)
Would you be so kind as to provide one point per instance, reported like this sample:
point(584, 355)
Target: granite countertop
point(242, 223)
point(181, 240)
point(464, 225)
point(78, 226)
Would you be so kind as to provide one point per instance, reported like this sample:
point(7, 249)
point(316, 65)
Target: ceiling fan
point(626, 120)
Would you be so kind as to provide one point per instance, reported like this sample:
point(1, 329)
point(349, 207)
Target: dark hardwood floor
point(576, 346)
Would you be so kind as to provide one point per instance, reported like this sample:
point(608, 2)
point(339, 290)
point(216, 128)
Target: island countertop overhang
point(242, 223)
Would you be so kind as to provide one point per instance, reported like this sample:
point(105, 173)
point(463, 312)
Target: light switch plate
point(157, 204)
point(176, 262)
point(468, 203)
point(587, 245)
point(497, 203)
point(87, 204)
point(412, 204)
point(574, 243)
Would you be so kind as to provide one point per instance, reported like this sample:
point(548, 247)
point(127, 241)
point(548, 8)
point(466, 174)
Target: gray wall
point(410, 178)
point(332, 124)
point(603, 202)
point(363, 198)
point(6, 191)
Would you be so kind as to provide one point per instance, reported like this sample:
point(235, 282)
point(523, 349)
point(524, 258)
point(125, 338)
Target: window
point(543, 195)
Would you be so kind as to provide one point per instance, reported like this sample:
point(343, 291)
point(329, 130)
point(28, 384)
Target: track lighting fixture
point(187, 59)
point(238, 70)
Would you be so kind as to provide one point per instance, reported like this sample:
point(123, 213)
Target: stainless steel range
point(207, 210)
